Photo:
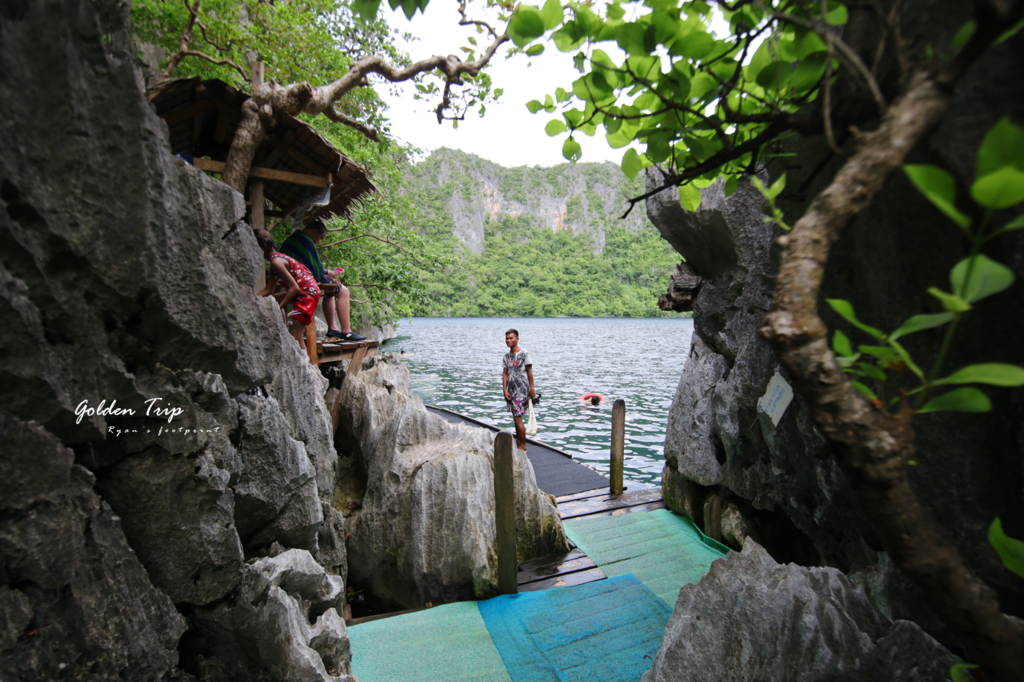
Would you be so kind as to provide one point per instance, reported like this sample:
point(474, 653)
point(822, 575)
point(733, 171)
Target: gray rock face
point(781, 478)
point(716, 437)
point(426, 528)
point(127, 278)
point(75, 603)
point(750, 618)
point(283, 624)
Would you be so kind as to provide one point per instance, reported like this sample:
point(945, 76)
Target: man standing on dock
point(517, 383)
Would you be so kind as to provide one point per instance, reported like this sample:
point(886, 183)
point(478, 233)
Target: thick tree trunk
point(871, 447)
point(248, 138)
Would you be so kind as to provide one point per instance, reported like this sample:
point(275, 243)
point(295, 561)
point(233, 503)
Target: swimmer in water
point(595, 400)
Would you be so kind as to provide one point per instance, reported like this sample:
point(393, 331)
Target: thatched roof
point(202, 117)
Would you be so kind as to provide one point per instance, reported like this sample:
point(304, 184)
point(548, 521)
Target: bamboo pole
point(505, 516)
point(618, 444)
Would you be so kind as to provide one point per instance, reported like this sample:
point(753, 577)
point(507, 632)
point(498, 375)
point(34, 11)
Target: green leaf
point(534, 50)
point(534, 106)
point(959, 671)
point(950, 302)
point(920, 322)
point(1003, 146)
point(837, 14)
point(994, 373)
point(561, 95)
point(907, 360)
point(987, 277)
point(555, 127)
point(568, 38)
point(809, 72)
point(883, 353)
point(366, 9)
point(551, 14)
point(939, 188)
point(960, 400)
point(864, 389)
point(841, 344)
point(733, 181)
point(871, 371)
point(775, 75)
point(689, 197)
point(693, 45)
point(526, 25)
point(963, 35)
point(631, 163)
point(845, 309)
point(1000, 189)
point(630, 37)
point(1008, 33)
point(571, 150)
point(1011, 551)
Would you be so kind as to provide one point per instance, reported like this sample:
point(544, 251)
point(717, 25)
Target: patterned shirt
point(300, 273)
point(518, 382)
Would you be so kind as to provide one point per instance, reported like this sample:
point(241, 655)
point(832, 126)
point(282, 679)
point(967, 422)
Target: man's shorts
point(304, 308)
point(517, 406)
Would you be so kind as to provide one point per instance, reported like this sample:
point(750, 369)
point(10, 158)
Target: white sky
point(508, 134)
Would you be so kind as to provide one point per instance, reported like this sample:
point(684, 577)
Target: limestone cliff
point(737, 474)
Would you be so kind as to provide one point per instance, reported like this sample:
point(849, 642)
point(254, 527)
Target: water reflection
point(456, 364)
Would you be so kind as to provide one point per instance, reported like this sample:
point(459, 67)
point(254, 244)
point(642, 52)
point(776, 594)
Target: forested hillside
point(536, 241)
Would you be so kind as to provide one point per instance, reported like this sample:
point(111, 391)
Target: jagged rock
point(276, 495)
point(736, 528)
point(426, 528)
point(683, 287)
point(75, 602)
point(282, 624)
point(178, 514)
point(716, 436)
point(750, 618)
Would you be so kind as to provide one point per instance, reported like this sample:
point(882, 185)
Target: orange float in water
point(589, 398)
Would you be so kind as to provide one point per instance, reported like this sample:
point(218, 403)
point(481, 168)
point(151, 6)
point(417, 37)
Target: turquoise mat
point(447, 642)
point(605, 631)
point(663, 550)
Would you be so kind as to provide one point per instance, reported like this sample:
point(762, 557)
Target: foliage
point(702, 105)
point(1011, 551)
point(998, 184)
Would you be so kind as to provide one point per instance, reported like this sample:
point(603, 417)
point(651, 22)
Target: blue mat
point(663, 550)
point(605, 631)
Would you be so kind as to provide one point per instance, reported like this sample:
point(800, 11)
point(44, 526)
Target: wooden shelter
point(202, 117)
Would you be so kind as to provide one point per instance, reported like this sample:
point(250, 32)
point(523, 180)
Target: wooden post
point(618, 444)
point(505, 515)
point(256, 186)
point(314, 357)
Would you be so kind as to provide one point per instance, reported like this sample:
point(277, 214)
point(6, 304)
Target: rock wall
point(750, 618)
point(735, 473)
point(127, 282)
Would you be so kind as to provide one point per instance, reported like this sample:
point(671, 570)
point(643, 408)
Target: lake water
point(456, 364)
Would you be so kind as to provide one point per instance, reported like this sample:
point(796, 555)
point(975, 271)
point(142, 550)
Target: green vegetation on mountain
point(535, 242)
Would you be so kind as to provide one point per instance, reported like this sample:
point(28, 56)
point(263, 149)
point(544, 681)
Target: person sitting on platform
point(301, 245)
point(300, 289)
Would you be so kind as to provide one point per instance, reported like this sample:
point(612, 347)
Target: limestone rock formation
point(75, 602)
point(425, 532)
point(750, 618)
point(282, 624)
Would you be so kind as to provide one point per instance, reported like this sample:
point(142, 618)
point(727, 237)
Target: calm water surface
point(456, 364)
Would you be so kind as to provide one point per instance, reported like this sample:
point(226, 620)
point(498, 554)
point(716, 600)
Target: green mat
point(447, 642)
point(663, 550)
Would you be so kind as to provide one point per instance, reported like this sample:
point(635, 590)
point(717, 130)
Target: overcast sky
point(508, 134)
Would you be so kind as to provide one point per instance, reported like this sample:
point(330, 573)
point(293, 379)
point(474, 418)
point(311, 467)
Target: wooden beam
point(176, 116)
point(311, 165)
point(264, 173)
point(505, 514)
point(618, 444)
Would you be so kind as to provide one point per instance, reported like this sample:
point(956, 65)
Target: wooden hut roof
point(202, 117)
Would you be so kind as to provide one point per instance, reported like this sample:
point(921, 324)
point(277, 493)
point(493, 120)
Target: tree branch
point(186, 38)
point(871, 447)
point(373, 236)
point(368, 131)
